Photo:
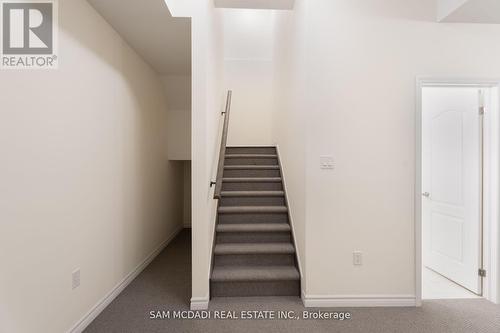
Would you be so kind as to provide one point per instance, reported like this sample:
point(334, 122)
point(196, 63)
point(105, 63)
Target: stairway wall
point(290, 119)
point(249, 72)
point(85, 180)
point(358, 101)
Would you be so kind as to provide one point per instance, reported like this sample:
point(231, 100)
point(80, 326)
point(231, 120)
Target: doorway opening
point(457, 189)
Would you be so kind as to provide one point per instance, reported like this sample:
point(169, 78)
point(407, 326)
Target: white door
point(452, 183)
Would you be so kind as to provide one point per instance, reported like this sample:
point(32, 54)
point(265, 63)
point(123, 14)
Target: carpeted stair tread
point(254, 248)
point(254, 227)
point(252, 193)
point(252, 167)
point(251, 156)
point(254, 273)
point(252, 180)
point(254, 253)
point(252, 209)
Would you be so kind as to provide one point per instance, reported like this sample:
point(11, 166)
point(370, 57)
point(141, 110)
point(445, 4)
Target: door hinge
point(481, 110)
point(482, 272)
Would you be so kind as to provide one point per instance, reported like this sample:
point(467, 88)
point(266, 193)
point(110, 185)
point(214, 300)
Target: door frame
point(491, 225)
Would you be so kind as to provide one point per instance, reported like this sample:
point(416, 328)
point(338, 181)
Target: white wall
point(360, 108)
point(178, 93)
point(257, 4)
point(290, 117)
point(474, 11)
point(447, 7)
point(85, 178)
point(249, 72)
point(208, 102)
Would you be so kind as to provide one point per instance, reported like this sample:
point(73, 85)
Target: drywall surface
point(249, 73)
point(475, 11)
point(86, 183)
point(178, 93)
point(447, 7)
point(207, 103)
point(360, 109)
point(290, 117)
point(255, 4)
point(148, 27)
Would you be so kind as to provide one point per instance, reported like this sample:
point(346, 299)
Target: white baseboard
point(199, 303)
point(318, 301)
point(290, 216)
point(106, 300)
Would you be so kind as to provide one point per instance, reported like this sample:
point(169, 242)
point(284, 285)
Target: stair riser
point(268, 186)
point(251, 161)
point(245, 173)
point(253, 218)
point(255, 260)
point(252, 201)
point(246, 289)
point(253, 237)
point(251, 150)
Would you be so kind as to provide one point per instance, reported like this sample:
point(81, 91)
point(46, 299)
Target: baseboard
point(106, 300)
point(290, 216)
point(199, 303)
point(318, 301)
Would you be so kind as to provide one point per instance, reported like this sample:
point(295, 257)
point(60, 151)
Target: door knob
point(426, 194)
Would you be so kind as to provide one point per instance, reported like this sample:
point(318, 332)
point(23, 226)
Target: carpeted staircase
point(254, 253)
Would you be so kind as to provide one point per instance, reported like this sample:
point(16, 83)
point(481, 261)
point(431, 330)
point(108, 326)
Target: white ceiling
point(255, 4)
point(162, 40)
point(474, 11)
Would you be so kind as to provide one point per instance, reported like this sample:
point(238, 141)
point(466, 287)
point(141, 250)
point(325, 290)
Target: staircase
point(254, 253)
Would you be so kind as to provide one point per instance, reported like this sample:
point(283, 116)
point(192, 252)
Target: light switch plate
point(326, 162)
point(357, 258)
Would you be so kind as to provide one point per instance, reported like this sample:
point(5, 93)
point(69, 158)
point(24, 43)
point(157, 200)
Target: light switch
point(357, 258)
point(326, 162)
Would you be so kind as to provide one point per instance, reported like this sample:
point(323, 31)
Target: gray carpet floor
point(165, 285)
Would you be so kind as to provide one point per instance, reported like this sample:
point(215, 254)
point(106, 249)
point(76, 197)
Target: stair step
point(254, 248)
point(252, 198)
point(247, 171)
point(252, 180)
point(253, 210)
point(253, 193)
point(264, 156)
point(261, 233)
point(254, 273)
point(251, 150)
point(255, 260)
point(252, 167)
point(261, 227)
point(254, 288)
point(252, 184)
point(250, 159)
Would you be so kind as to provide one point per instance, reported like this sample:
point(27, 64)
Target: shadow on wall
point(151, 182)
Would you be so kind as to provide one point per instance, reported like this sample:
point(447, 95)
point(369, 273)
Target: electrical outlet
point(326, 162)
point(75, 278)
point(357, 258)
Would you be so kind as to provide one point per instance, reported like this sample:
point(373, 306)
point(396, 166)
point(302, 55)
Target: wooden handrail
point(222, 153)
